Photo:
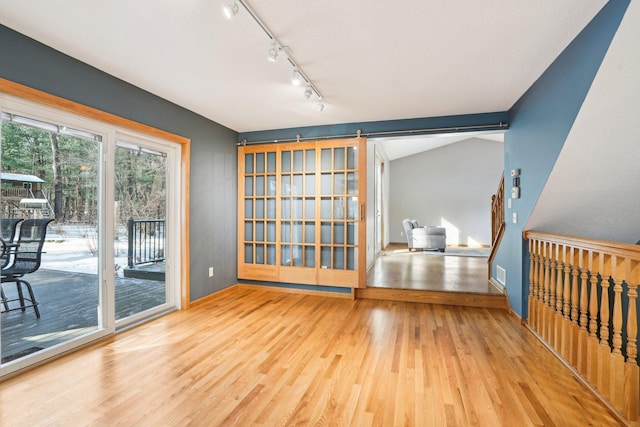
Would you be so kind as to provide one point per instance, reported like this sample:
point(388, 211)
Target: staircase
point(497, 222)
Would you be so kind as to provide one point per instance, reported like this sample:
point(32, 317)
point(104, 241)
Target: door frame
point(34, 103)
point(299, 275)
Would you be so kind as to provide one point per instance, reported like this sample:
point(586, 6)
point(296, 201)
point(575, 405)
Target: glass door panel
point(260, 209)
point(315, 231)
point(141, 232)
point(340, 212)
point(49, 208)
point(63, 225)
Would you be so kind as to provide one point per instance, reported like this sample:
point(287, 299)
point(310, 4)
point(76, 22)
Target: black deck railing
point(146, 241)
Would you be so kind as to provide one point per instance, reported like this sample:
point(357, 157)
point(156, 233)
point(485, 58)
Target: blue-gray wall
point(213, 150)
point(539, 124)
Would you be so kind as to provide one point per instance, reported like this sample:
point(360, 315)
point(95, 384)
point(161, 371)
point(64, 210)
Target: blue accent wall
point(539, 125)
point(388, 126)
point(213, 212)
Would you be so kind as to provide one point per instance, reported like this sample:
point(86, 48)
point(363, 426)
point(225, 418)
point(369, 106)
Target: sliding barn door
point(301, 212)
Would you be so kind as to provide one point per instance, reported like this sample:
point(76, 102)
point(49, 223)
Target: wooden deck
point(67, 303)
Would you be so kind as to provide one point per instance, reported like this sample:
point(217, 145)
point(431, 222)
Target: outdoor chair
point(26, 258)
point(8, 228)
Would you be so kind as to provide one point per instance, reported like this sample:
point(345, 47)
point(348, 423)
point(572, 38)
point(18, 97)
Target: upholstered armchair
point(425, 238)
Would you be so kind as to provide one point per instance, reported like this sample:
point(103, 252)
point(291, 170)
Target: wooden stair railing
point(497, 221)
point(583, 303)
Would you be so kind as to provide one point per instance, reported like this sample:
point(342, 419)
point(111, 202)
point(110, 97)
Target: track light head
point(273, 52)
point(272, 55)
point(308, 92)
point(320, 106)
point(296, 78)
point(230, 9)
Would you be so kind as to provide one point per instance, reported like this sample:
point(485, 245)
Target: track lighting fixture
point(230, 9)
point(296, 79)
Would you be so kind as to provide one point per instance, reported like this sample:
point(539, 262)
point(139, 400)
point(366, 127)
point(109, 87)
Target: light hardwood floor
point(257, 357)
point(398, 268)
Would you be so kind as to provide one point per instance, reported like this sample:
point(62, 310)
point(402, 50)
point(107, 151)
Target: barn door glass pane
point(339, 179)
point(260, 189)
point(298, 189)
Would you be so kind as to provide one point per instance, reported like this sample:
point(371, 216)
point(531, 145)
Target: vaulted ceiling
point(371, 60)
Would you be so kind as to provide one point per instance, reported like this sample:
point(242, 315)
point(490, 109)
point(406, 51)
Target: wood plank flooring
point(400, 275)
point(257, 357)
point(397, 268)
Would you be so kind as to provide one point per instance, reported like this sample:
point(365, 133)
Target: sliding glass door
point(141, 229)
point(90, 241)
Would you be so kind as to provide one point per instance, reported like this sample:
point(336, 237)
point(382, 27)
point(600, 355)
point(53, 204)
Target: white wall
point(450, 186)
point(372, 148)
point(593, 188)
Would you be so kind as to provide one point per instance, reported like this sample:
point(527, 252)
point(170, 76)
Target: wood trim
point(628, 250)
point(362, 227)
point(295, 291)
point(47, 99)
point(44, 98)
point(211, 296)
point(466, 299)
point(185, 264)
point(497, 285)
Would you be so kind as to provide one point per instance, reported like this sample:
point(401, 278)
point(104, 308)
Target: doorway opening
point(443, 180)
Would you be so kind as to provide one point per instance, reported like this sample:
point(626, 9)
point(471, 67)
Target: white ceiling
point(371, 59)
point(397, 147)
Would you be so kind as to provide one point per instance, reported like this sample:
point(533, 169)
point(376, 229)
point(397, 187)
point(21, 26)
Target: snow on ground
point(69, 248)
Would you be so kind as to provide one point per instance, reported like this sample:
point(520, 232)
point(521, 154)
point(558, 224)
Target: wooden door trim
point(43, 98)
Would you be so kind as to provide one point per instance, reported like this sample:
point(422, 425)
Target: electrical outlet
point(401, 233)
point(210, 271)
